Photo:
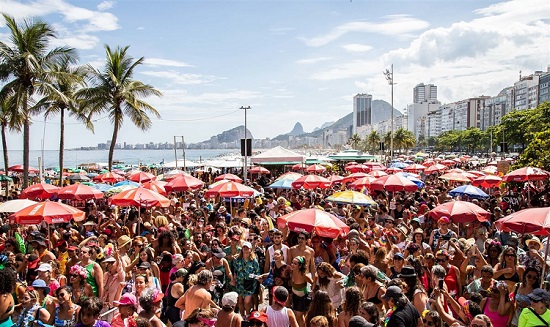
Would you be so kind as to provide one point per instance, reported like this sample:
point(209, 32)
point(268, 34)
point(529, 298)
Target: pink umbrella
point(357, 168)
point(393, 170)
point(378, 173)
point(259, 170)
point(460, 212)
point(315, 169)
point(458, 177)
point(434, 169)
point(298, 167)
point(335, 179)
point(353, 177)
point(527, 174)
point(448, 162)
point(183, 183)
point(310, 182)
point(393, 183)
point(20, 169)
point(79, 192)
point(316, 221)
point(229, 177)
point(533, 220)
point(142, 177)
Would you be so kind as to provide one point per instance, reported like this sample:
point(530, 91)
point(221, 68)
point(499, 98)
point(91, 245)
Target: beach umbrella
point(230, 189)
point(490, 170)
point(230, 177)
point(102, 187)
point(127, 182)
point(79, 192)
point(492, 163)
point(78, 178)
point(285, 184)
point(435, 168)
point(310, 182)
point(356, 168)
point(41, 191)
point(378, 173)
point(142, 177)
point(108, 177)
point(477, 173)
point(353, 177)
point(139, 197)
point(460, 212)
point(362, 183)
point(16, 205)
point(259, 170)
point(4, 178)
point(526, 174)
point(315, 169)
point(374, 166)
point(448, 162)
point(456, 170)
point(414, 168)
point(351, 197)
point(316, 221)
point(290, 175)
point(298, 167)
point(157, 186)
point(393, 170)
point(118, 189)
point(183, 183)
point(458, 177)
point(335, 179)
point(487, 181)
point(393, 183)
point(20, 169)
point(532, 220)
point(48, 211)
point(173, 174)
point(413, 178)
point(469, 190)
point(399, 164)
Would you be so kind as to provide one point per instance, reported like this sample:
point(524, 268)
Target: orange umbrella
point(183, 183)
point(51, 212)
point(39, 191)
point(108, 178)
point(139, 197)
point(142, 177)
point(229, 177)
point(230, 190)
point(79, 192)
point(316, 221)
point(315, 169)
point(527, 174)
point(157, 186)
point(310, 182)
point(393, 183)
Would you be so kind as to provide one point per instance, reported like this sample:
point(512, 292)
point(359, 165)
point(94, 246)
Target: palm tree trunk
point(113, 142)
point(26, 142)
point(5, 151)
point(61, 145)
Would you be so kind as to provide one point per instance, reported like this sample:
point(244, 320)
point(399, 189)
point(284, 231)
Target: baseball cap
point(358, 321)
point(230, 299)
point(144, 265)
point(538, 294)
point(44, 267)
point(127, 299)
point(218, 253)
point(247, 244)
point(392, 292)
point(39, 283)
point(258, 316)
point(444, 220)
point(109, 259)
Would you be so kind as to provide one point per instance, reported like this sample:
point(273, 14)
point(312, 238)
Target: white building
point(496, 107)
point(416, 111)
point(424, 93)
point(526, 92)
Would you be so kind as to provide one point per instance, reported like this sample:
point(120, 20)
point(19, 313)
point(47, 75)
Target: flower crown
point(79, 270)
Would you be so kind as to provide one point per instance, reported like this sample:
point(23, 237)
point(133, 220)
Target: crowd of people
point(206, 262)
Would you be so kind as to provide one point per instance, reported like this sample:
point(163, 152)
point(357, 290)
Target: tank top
point(451, 281)
point(91, 279)
point(438, 235)
point(374, 299)
point(284, 250)
point(277, 318)
point(65, 323)
point(170, 300)
point(496, 319)
point(514, 278)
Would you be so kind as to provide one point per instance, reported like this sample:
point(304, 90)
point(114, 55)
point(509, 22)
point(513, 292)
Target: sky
point(289, 60)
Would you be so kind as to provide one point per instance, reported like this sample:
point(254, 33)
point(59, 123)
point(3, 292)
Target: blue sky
point(291, 61)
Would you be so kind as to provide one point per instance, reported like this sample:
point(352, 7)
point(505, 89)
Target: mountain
point(297, 130)
point(229, 136)
point(327, 124)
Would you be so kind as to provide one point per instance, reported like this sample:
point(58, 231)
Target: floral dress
point(243, 269)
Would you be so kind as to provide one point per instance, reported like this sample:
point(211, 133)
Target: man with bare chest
point(301, 249)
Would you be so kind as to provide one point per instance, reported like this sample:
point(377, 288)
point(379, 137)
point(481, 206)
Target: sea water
point(74, 158)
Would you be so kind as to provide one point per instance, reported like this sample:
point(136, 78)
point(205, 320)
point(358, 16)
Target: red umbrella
point(142, 177)
point(259, 170)
point(316, 221)
point(19, 169)
point(353, 177)
point(79, 192)
point(172, 174)
point(51, 212)
point(434, 169)
point(229, 177)
point(477, 173)
point(310, 182)
point(157, 186)
point(533, 220)
point(336, 179)
point(460, 212)
point(378, 173)
point(393, 183)
point(289, 175)
point(315, 169)
point(230, 190)
point(357, 168)
point(298, 166)
point(39, 191)
point(458, 177)
point(487, 181)
point(527, 174)
point(414, 168)
point(183, 183)
point(448, 162)
point(393, 170)
point(108, 178)
point(362, 182)
point(139, 197)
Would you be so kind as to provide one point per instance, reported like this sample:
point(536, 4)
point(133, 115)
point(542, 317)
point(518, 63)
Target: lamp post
point(245, 170)
point(389, 77)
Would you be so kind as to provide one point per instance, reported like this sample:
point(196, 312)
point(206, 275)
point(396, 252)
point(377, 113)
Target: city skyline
point(290, 61)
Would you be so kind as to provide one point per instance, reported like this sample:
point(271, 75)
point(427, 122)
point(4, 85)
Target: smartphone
point(440, 284)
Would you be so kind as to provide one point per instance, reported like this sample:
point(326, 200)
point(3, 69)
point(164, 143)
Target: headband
point(209, 322)
point(301, 260)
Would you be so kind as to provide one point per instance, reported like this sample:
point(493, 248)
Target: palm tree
point(60, 98)
point(8, 122)
point(354, 140)
point(23, 67)
point(115, 91)
point(399, 138)
point(373, 140)
point(409, 141)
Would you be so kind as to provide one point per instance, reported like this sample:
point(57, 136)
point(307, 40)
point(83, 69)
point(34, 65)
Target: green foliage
point(537, 153)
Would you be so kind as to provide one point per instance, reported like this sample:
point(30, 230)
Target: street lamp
point(245, 172)
point(389, 77)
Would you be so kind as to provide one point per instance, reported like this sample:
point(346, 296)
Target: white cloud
point(357, 48)
point(393, 25)
point(107, 4)
point(180, 78)
point(155, 62)
point(312, 60)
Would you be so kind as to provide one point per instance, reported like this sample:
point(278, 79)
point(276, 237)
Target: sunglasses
point(532, 277)
point(428, 322)
point(301, 238)
point(139, 245)
point(509, 255)
point(73, 276)
point(440, 260)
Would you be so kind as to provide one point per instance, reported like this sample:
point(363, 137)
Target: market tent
point(278, 155)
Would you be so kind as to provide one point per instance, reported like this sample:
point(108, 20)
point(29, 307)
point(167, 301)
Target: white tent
point(180, 164)
point(278, 155)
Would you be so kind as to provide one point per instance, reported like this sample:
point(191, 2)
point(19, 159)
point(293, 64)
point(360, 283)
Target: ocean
point(74, 158)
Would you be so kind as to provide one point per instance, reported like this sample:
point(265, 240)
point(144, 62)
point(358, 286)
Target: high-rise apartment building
point(362, 111)
point(424, 93)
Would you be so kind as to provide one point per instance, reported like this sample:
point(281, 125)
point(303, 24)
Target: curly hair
point(319, 321)
point(373, 312)
point(301, 264)
point(321, 305)
point(352, 301)
point(328, 270)
point(8, 276)
point(80, 271)
point(92, 305)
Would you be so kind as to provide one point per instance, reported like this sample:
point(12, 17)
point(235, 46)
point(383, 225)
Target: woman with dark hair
point(150, 301)
point(11, 245)
point(300, 290)
point(66, 312)
point(415, 291)
point(32, 310)
point(508, 269)
point(329, 280)
point(166, 242)
point(173, 293)
point(492, 252)
point(431, 319)
point(146, 255)
point(8, 279)
point(321, 305)
point(351, 305)
point(531, 279)
point(201, 318)
point(369, 311)
point(320, 254)
point(245, 266)
point(497, 305)
point(77, 281)
point(373, 290)
point(89, 313)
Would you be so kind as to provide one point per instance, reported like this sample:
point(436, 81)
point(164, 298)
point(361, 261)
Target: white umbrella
point(16, 205)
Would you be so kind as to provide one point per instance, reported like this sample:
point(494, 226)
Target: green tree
point(23, 67)
point(60, 98)
point(537, 153)
point(117, 93)
point(373, 141)
point(10, 122)
point(354, 140)
point(409, 141)
point(398, 139)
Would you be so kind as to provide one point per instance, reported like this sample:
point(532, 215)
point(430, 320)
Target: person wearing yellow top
point(537, 314)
